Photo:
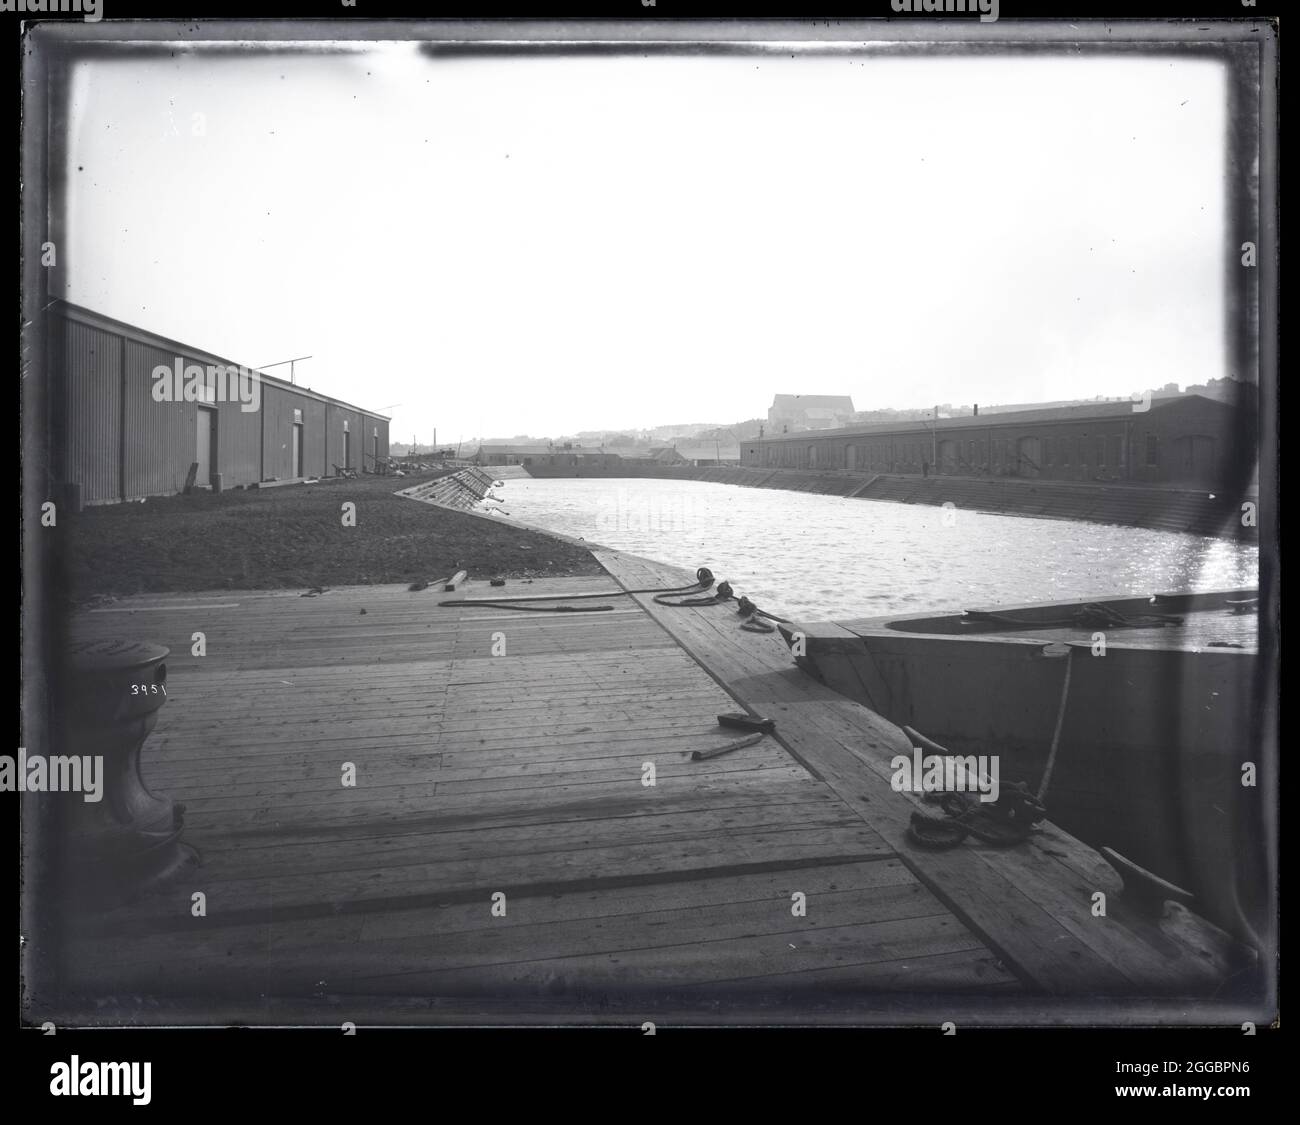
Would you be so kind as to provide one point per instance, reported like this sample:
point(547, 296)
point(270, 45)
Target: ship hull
point(1153, 737)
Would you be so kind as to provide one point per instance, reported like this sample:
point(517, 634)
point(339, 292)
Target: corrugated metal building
point(111, 436)
point(1188, 440)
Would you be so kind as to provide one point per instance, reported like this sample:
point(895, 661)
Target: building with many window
point(1186, 440)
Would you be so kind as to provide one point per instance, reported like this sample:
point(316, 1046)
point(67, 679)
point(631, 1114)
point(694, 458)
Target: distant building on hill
point(796, 413)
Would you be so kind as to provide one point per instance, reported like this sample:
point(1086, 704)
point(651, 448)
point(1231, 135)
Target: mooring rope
point(723, 594)
point(662, 595)
point(1056, 736)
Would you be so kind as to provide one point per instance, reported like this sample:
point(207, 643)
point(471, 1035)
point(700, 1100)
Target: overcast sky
point(549, 245)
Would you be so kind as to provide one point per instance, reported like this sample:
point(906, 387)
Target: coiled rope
point(753, 616)
point(673, 597)
point(752, 613)
point(722, 594)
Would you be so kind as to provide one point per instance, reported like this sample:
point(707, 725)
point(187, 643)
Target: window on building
point(1049, 451)
point(1101, 452)
point(1065, 451)
point(1153, 451)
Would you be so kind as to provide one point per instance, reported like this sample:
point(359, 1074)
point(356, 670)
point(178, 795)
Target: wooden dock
point(501, 857)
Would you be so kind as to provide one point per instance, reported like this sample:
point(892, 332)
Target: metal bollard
point(129, 842)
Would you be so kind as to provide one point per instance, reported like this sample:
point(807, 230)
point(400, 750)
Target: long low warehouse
point(1187, 441)
point(131, 412)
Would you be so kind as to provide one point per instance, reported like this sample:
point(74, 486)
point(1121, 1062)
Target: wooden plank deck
point(1032, 903)
point(476, 773)
point(521, 774)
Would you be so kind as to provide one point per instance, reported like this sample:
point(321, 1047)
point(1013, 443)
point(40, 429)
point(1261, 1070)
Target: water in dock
point(823, 557)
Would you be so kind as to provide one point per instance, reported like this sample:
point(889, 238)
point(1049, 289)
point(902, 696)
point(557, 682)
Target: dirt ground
point(294, 536)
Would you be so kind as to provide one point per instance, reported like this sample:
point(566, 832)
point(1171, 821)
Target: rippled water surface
point(822, 557)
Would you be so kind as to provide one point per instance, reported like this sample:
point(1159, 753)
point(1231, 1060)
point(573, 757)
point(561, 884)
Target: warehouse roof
point(154, 339)
point(1082, 413)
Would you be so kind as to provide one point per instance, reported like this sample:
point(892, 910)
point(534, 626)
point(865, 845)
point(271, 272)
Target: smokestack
point(977, 410)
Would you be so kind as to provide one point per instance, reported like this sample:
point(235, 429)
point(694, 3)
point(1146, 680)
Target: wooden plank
point(932, 974)
point(453, 844)
point(461, 934)
point(701, 960)
point(477, 773)
point(1035, 924)
point(280, 816)
point(248, 896)
point(729, 792)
